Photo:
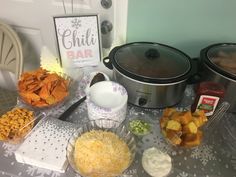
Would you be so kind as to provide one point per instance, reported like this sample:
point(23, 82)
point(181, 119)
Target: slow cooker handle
point(195, 76)
point(107, 62)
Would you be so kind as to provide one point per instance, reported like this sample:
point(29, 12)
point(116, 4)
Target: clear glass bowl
point(107, 125)
point(139, 126)
point(60, 102)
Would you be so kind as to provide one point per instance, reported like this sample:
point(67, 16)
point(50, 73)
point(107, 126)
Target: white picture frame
point(78, 40)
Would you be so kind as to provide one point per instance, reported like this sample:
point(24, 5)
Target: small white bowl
point(108, 100)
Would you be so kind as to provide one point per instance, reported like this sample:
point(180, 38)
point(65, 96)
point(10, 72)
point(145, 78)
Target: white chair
point(11, 65)
point(11, 56)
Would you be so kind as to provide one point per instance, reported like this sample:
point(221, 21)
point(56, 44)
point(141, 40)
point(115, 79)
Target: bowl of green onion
point(139, 127)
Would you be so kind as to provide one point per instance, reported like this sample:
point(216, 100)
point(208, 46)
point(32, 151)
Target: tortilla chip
point(64, 85)
point(51, 78)
point(31, 96)
point(44, 93)
point(41, 103)
point(50, 100)
point(33, 87)
point(59, 92)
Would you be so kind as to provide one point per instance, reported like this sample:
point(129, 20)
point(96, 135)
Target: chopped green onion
point(139, 127)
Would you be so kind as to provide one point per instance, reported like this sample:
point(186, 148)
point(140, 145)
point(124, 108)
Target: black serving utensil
point(97, 78)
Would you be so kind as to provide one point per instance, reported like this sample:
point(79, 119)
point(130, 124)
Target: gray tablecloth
point(212, 158)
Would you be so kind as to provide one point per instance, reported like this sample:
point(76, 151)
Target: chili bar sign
point(78, 40)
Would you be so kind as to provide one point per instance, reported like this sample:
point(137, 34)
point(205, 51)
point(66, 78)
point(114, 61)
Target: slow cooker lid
point(223, 57)
point(152, 60)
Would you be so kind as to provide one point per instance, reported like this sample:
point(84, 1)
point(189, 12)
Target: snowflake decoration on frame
point(204, 153)
point(76, 23)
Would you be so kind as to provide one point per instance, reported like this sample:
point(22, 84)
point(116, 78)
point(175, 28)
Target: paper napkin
point(46, 146)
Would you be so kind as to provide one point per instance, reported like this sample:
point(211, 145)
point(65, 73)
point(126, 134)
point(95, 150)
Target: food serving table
point(209, 159)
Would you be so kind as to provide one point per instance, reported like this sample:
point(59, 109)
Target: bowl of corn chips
point(43, 89)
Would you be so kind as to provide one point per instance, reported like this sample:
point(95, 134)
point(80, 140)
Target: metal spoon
point(97, 78)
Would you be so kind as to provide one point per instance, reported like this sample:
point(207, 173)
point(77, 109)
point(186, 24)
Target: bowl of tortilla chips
point(42, 89)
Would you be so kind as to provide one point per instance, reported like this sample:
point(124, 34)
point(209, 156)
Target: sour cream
point(156, 163)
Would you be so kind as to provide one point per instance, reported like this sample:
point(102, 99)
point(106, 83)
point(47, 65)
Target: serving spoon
point(97, 78)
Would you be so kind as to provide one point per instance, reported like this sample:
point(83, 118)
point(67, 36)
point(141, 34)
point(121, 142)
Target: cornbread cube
point(168, 112)
point(192, 140)
point(201, 113)
point(186, 117)
point(190, 128)
point(175, 116)
point(163, 132)
point(173, 125)
point(163, 121)
point(189, 137)
point(183, 117)
point(173, 137)
point(199, 118)
point(198, 121)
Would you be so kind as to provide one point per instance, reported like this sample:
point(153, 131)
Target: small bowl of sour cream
point(156, 163)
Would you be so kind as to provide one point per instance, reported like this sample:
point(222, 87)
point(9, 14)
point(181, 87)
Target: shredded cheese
point(101, 153)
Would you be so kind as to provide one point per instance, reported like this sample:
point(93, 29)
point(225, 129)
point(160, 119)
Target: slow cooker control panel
point(142, 98)
point(142, 101)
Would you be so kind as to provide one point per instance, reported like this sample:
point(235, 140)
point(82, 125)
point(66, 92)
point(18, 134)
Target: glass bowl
point(103, 126)
point(52, 101)
point(139, 127)
point(182, 128)
point(17, 123)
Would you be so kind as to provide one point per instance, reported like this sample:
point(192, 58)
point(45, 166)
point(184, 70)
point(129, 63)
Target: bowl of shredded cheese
point(97, 151)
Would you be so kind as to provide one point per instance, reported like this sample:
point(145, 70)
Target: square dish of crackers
point(17, 123)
